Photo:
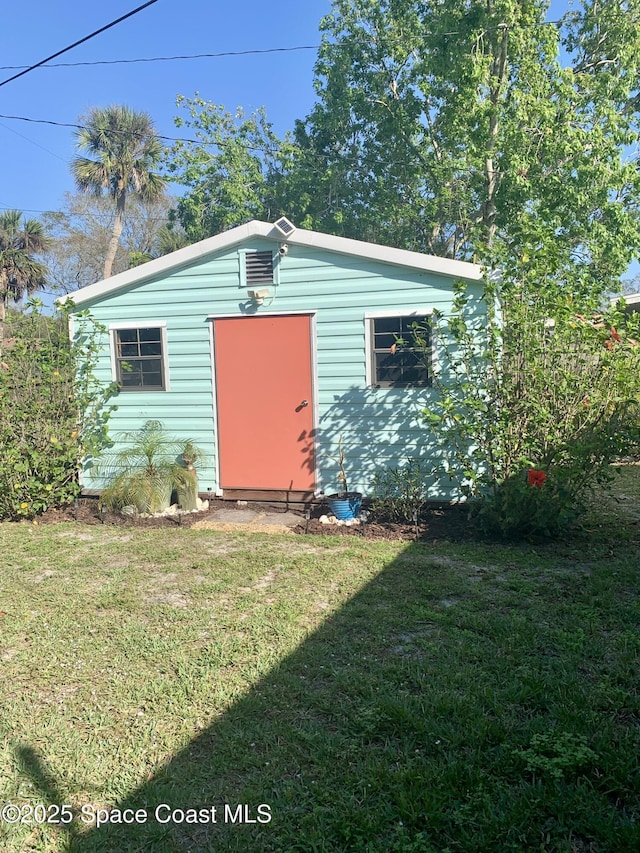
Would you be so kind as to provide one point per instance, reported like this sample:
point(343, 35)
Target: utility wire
point(255, 52)
point(76, 43)
point(33, 142)
point(172, 58)
point(114, 131)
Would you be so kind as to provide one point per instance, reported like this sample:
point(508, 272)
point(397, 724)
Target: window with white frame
point(400, 350)
point(139, 357)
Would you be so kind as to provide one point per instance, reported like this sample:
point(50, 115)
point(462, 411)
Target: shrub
point(52, 410)
point(400, 492)
point(535, 385)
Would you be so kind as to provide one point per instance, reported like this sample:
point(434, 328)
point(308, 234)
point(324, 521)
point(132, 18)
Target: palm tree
point(123, 150)
point(20, 272)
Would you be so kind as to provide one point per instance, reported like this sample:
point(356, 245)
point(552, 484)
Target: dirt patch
point(229, 526)
point(172, 599)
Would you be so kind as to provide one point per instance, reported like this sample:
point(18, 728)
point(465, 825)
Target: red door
point(265, 402)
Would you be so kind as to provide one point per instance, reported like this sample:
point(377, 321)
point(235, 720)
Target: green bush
point(52, 411)
point(400, 492)
point(533, 384)
point(517, 509)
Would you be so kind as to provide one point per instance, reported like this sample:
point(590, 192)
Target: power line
point(172, 58)
point(72, 216)
point(114, 131)
point(80, 41)
point(249, 52)
point(33, 142)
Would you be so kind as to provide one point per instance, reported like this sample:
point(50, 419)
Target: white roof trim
point(300, 237)
point(632, 299)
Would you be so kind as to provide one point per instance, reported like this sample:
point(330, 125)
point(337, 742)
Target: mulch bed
point(449, 523)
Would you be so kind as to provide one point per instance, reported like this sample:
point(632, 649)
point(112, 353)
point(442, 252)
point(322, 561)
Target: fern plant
point(144, 472)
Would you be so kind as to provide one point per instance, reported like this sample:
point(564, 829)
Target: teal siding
point(379, 426)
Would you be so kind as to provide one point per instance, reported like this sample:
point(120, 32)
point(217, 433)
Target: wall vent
point(285, 227)
point(259, 267)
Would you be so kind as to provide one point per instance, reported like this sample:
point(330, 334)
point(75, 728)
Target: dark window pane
point(142, 374)
point(154, 348)
point(412, 326)
point(150, 335)
point(131, 378)
point(128, 335)
point(384, 341)
point(151, 367)
point(128, 350)
point(386, 371)
point(387, 324)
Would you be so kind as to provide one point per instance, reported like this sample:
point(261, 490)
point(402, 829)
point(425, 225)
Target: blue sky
point(34, 166)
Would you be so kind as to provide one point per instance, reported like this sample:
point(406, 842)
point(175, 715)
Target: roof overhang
point(300, 237)
point(632, 299)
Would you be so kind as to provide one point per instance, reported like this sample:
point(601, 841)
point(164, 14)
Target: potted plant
point(344, 505)
point(145, 472)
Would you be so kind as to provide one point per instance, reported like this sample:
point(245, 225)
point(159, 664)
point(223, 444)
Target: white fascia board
point(386, 254)
point(300, 237)
point(167, 263)
point(632, 299)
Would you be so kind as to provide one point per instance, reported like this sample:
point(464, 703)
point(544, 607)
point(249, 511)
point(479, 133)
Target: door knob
point(304, 404)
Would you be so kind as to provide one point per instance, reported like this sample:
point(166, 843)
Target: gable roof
point(299, 237)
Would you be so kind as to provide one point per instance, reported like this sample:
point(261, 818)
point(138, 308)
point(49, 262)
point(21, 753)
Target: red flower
point(535, 478)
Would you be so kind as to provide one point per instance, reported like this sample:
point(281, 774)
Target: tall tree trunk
point(118, 223)
point(492, 177)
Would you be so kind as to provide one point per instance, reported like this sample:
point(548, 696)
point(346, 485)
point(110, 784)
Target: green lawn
point(375, 696)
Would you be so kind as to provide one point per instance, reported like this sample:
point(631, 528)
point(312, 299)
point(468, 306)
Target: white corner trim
point(300, 237)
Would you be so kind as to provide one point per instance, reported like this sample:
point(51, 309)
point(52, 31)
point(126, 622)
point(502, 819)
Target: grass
point(375, 696)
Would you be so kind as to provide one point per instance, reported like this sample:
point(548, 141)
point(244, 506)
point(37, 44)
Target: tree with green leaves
point(231, 174)
point(480, 130)
point(21, 271)
point(123, 151)
point(531, 413)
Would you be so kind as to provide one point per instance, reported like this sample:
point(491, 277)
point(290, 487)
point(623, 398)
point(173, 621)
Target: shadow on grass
point(398, 726)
